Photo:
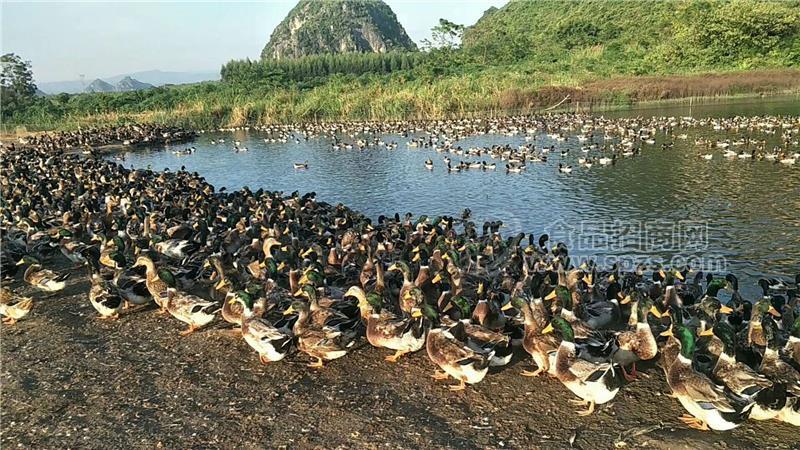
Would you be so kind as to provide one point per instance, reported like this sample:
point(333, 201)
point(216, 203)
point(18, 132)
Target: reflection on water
point(665, 205)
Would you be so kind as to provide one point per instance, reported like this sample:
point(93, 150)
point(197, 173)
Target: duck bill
point(625, 300)
point(416, 258)
point(725, 309)
point(668, 332)
point(773, 311)
point(548, 329)
point(679, 276)
point(288, 311)
point(551, 295)
point(416, 313)
point(654, 311)
point(437, 278)
point(506, 307)
point(706, 332)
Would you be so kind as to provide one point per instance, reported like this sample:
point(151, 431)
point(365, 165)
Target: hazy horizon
point(99, 40)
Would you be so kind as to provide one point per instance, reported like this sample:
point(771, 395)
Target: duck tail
point(63, 276)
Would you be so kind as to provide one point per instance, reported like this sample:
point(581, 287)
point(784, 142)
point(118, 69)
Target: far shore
point(613, 94)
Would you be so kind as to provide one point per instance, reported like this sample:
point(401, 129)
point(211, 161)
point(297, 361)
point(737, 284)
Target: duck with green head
point(744, 381)
point(594, 382)
point(478, 335)
point(580, 328)
point(708, 406)
point(385, 330)
point(755, 330)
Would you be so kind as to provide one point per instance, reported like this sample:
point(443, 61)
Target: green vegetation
point(311, 71)
point(17, 89)
point(523, 56)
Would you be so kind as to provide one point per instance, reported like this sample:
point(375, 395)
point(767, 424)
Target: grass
point(488, 93)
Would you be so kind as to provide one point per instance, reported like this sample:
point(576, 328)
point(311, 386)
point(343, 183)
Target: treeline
point(299, 70)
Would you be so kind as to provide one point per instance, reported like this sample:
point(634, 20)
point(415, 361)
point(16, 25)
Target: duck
point(321, 343)
point(780, 372)
point(448, 348)
point(564, 169)
point(429, 164)
point(638, 342)
point(190, 309)
point(272, 344)
point(480, 336)
point(103, 294)
point(406, 298)
point(178, 249)
point(132, 286)
point(772, 365)
point(743, 381)
point(302, 165)
point(708, 406)
point(157, 281)
point(791, 350)
point(541, 347)
point(593, 382)
point(385, 330)
point(43, 279)
point(13, 306)
point(235, 303)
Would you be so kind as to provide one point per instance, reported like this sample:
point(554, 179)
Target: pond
point(665, 205)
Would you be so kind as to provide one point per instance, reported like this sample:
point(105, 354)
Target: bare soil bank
point(634, 89)
point(71, 381)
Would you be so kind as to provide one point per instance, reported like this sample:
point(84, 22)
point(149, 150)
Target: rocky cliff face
point(337, 26)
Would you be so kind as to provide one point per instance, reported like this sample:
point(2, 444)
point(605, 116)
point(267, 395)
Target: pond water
point(665, 206)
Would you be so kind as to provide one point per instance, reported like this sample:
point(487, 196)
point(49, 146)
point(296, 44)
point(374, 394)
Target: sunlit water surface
point(666, 206)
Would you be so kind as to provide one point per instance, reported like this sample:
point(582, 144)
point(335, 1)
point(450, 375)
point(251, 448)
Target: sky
point(102, 39)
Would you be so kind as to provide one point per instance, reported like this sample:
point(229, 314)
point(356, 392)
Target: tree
point(17, 89)
point(446, 35)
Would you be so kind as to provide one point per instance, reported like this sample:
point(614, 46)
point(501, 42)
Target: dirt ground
point(72, 381)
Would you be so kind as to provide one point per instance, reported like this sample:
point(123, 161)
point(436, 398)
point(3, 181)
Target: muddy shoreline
point(70, 380)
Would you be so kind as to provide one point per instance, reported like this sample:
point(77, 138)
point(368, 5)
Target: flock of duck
point(137, 134)
point(291, 272)
point(574, 140)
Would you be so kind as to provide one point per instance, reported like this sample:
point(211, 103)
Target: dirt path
point(69, 380)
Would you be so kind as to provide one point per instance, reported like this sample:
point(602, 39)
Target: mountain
point(337, 26)
point(129, 84)
point(639, 36)
point(99, 85)
point(153, 77)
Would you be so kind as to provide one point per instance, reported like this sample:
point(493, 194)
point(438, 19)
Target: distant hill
point(337, 26)
point(153, 77)
point(99, 85)
point(639, 36)
point(129, 84)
